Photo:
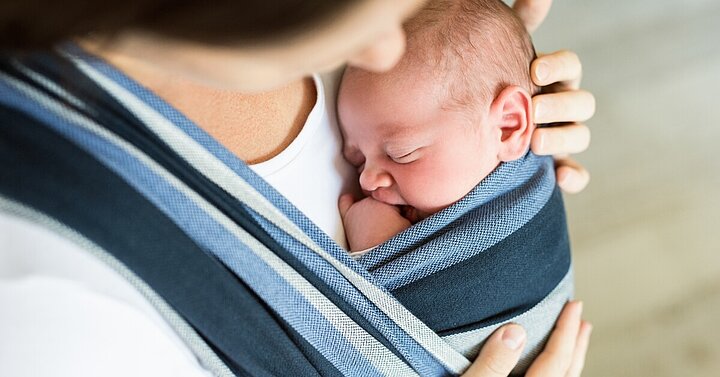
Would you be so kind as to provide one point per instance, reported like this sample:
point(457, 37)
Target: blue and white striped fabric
point(249, 272)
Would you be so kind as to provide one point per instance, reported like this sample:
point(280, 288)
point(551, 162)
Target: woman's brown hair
point(38, 24)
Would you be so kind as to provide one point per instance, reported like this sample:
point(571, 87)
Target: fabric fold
point(75, 130)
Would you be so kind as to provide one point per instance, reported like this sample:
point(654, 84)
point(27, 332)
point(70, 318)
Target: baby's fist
point(369, 222)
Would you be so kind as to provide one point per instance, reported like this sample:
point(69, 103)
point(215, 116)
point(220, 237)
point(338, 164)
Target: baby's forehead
point(410, 71)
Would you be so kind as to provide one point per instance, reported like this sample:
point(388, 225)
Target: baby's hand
point(369, 222)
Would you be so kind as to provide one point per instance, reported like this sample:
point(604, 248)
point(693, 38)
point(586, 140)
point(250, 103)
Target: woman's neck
point(255, 127)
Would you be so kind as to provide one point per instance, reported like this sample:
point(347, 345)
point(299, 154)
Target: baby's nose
point(373, 179)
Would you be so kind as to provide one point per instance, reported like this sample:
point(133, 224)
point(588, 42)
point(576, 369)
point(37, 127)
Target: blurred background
point(646, 233)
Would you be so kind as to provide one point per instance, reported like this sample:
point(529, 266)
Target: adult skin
point(266, 87)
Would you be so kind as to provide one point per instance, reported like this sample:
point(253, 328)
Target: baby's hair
point(478, 47)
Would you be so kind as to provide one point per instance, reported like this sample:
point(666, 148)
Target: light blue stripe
point(490, 213)
point(395, 328)
point(421, 360)
point(266, 282)
point(392, 268)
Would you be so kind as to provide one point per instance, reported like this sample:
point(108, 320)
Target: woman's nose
point(372, 179)
point(383, 53)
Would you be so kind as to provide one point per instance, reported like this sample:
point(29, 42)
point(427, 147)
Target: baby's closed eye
point(406, 157)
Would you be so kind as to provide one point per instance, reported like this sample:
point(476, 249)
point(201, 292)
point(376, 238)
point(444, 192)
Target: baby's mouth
point(410, 213)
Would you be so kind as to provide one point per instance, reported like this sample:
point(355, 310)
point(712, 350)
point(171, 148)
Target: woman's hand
point(563, 356)
point(532, 12)
point(562, 102)
point(559, 74)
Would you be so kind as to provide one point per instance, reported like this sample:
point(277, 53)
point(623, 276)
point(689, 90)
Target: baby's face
point(408, 149)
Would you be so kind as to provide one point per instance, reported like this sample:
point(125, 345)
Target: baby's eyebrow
point(397, 131)
point(401, 139)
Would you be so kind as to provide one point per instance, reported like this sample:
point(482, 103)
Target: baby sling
point(251, 285)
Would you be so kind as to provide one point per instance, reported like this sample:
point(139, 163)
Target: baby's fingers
point(561, 66)
point(344, 203)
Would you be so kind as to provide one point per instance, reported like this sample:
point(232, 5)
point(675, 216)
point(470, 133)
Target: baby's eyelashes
point(405, 158)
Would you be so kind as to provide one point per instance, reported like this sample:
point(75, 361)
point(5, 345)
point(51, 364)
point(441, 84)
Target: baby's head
point(457, 105)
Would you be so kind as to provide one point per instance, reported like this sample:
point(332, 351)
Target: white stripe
point(220, 174)
point(378, 355)
point(49, 85)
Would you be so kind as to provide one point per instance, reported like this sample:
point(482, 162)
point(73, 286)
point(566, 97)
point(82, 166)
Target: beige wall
point(646, 233)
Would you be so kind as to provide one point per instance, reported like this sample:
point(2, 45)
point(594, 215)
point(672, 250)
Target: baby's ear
point(511, 114)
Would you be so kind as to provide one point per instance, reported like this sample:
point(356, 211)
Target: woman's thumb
point(500, 353)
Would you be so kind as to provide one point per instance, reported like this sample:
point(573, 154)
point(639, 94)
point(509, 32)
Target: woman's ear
point(512, 116)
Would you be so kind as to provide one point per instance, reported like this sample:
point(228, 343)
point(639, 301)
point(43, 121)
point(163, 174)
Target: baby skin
point(417, 148)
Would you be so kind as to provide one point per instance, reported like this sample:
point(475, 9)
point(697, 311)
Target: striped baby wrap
point(250, 284)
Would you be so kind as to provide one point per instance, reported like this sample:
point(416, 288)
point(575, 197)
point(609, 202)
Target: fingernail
point(513, 337)
point(542, 72)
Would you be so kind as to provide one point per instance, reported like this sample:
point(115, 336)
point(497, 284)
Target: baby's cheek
point(431, 189)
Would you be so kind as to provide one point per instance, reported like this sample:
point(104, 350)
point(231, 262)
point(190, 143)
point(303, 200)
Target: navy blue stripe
point(505, 280)
point(508, 279)
point(120, 121)
point(46, 172)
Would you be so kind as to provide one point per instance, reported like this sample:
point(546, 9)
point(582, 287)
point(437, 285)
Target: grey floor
point(646, 233)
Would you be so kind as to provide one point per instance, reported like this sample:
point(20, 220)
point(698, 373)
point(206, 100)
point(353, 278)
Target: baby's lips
point(410, 213)
point(387, 197)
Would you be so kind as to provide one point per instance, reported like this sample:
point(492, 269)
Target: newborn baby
point(425, 133)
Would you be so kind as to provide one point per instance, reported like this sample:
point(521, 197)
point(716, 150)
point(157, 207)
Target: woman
point(190, 57)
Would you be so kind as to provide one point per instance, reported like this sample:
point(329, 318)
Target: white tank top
point(311, 171)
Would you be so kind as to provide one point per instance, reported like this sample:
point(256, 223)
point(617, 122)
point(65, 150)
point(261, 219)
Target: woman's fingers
point(581, 347)
point(571, 176)
point(568, 139)
point(561, 101)
point(500, 353)
point(532, 12)
point(561, 66)
point(562, 341)
point(573, 138)
point(557, 357)
point(568, 106)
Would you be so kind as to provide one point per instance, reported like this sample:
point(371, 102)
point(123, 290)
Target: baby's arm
point(369, 222)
